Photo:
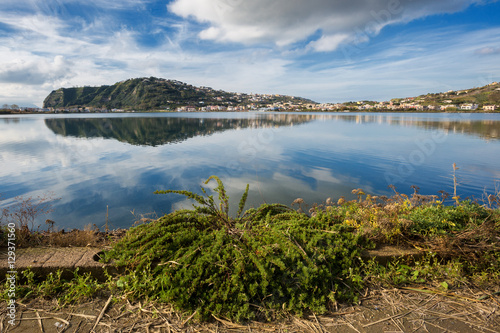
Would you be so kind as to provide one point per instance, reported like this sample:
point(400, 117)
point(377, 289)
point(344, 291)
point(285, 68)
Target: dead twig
point(78, 326)
point(228, 324)
point(82, 315)
point(306, 325)
point(169, 326)
point(41, 318)
point(319, 324)
point(188, 319)
point(39, 322)
point(102, 313)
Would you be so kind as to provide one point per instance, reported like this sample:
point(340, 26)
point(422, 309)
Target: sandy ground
point(395, 310)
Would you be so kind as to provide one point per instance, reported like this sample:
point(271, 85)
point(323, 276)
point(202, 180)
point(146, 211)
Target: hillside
point(489, 94)
point(155, 93)
point(149, 94)
point(481, 99)
point(480, 96)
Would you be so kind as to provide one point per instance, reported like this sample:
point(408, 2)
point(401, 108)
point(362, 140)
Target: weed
point(52, 286)
point(80, 288)
point(455, 184)
point(23, 214)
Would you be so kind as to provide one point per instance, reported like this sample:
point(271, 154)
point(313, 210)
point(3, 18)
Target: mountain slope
point(154, 93)
point(488, 94)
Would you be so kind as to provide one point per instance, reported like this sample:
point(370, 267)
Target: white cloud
point(40, 25)
point(58, 5)
point(52, 58)
point(33, 72)
point(407, 65)
point(329, 43)
point(284, 22)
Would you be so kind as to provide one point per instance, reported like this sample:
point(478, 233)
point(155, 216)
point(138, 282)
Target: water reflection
point(159, 131)
point(11, 120)
point(96, 161)
point(460, 123)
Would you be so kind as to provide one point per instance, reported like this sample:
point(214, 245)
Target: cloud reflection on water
point(119, 161)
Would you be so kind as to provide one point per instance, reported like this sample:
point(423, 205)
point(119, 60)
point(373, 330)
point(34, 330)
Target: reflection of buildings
point(486, 129)
point(154, 131)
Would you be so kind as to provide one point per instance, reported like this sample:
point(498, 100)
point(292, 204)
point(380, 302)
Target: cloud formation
point(318, 49)
point(284, 22)
point(35, 72)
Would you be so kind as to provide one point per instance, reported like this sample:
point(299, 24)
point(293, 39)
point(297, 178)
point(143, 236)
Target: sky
point(324, 50)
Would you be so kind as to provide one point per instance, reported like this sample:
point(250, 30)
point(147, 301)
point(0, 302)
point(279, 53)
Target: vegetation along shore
point(151, 94)
point(282, 265)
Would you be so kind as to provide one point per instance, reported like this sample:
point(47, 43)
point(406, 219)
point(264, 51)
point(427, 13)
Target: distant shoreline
point(11, 112)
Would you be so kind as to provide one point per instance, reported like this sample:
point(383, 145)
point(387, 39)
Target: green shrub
point(263, 262)
point(440, 219)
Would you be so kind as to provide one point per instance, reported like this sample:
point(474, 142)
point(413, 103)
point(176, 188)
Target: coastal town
point(220, 101)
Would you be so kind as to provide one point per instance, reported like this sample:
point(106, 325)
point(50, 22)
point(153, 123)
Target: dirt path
point(396, 310)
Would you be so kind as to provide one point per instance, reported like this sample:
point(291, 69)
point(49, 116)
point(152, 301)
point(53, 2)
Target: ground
point(394, 310)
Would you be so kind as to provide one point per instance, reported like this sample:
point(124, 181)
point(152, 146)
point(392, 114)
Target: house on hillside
point(490, 107)
point(469, 106)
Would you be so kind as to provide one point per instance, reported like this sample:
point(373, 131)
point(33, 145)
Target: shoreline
point(266, 111)
point(436, 264)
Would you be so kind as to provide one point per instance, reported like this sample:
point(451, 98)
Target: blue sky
point(325, 50)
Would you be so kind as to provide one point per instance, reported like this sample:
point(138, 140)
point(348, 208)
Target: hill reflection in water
point(93, 161)
point(157, 131)
point(147, 131)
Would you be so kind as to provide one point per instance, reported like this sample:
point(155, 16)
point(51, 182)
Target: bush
point(439, 219)
point(263, 262)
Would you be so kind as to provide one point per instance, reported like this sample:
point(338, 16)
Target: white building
point(469, 106)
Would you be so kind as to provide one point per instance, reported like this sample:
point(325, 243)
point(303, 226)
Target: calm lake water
point(116, 162)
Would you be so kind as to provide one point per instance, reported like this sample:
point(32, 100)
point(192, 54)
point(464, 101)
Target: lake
point(99, 164)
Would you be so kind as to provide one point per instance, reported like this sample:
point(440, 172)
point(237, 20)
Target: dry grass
point(81, 238)
point(385, 310)
point(75, 238)
point(469, 244)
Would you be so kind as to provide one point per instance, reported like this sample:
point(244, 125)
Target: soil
point(395, 310)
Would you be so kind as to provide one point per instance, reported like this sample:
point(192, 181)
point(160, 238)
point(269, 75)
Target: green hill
point(486, 95)
point(155, 93)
